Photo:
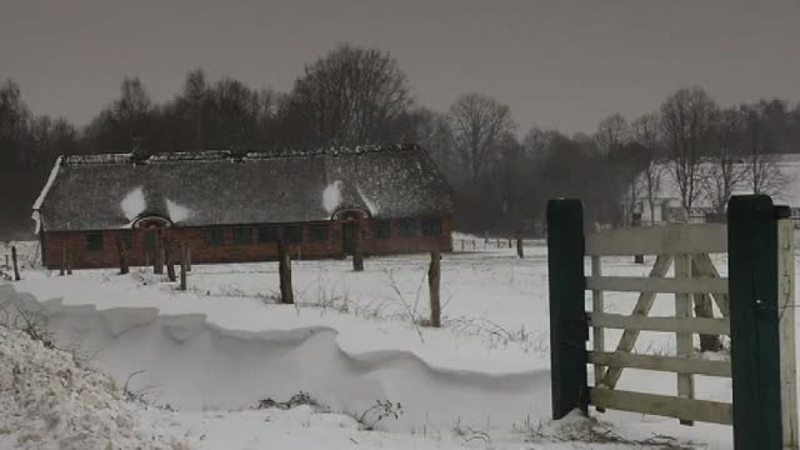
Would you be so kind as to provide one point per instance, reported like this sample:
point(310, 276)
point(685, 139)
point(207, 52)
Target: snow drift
point(195, 365)
point(49, 402)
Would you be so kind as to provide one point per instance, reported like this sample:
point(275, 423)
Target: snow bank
point(49, 402)
point(198, 365)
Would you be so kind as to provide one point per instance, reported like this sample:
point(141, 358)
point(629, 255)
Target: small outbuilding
point(237, 207)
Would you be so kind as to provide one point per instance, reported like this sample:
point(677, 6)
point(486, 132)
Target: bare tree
point(726, 172)
point(480, 125)
point(687, 119)
point(763, 175)
point(612, 133)
point(646, 132)
point(350, 96)
point(127, 118)
point(434, 132)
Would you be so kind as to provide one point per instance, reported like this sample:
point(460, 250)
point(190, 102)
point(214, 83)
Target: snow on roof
point(93, 192)
point(39, 200)
point(332, 196)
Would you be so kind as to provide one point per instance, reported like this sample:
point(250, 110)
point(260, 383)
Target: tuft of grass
point(301, 398)
point(381, 410)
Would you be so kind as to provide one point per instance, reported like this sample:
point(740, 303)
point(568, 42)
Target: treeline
point(354, 96)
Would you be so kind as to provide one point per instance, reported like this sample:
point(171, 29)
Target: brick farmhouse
point(237, 207)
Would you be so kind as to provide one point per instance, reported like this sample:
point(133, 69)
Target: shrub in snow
point(48, 402)
point(382, 409)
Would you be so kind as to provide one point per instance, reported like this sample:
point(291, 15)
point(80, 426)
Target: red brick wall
point(75, 244)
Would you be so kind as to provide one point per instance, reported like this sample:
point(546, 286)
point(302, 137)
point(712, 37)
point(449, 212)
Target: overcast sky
point(558, 64)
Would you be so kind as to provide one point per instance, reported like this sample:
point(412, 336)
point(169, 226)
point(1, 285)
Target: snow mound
point(49, 402)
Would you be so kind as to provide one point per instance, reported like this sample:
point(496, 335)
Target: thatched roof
point(92, 192)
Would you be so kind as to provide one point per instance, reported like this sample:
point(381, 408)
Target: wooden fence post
point(123, 260)
point(8, 266)
point(520, 248)
point(434, 277)
point(14, 261)
point(158, 267)
point(636, 221)
point(568, 325)
point(188, 258)
point(285, 272)
point(63, 270)
point(703, 307)
point(69, 263)
point(184, 259)
point(168, 261)
point(358, 255)
point(754, 280)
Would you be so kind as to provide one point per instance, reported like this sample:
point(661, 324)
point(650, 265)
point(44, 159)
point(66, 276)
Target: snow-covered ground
point(354, 339)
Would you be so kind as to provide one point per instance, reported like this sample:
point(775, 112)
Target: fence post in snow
point(188, 258)
point(434, 277)
point(285, 272)
point(636, 221)
point(63, 270)
point(158, 267)
point(184, 264)
point(358, 255)
point(69, 263)
point(168, 261)
point(14, 261)
point(520, 248)
point(762, 324)
point(123, 261)
point(7, 264)
point(569, 329)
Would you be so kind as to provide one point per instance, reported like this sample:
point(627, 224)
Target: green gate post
point(755, 339)
point(568, 325)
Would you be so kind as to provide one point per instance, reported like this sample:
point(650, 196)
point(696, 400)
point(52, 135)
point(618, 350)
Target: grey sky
point(561, 64)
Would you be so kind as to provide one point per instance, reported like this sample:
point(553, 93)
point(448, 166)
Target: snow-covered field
point(353, 339)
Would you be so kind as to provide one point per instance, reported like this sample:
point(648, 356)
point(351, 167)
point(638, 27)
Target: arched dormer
point(147, 221)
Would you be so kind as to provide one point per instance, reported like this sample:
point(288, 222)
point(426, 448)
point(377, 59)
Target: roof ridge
point(216, 155)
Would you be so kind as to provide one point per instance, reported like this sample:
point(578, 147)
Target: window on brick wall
point(94, 241)
point(318, 232)
point(294, 233)
point(215, 236)
point(432, 227)
point(381, 229)
point(150, 240)
point(243, 236)
point(267, 234)
point(126, 237)
point(407, 228)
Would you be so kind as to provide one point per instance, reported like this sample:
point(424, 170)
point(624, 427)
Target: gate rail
point(756, 304)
